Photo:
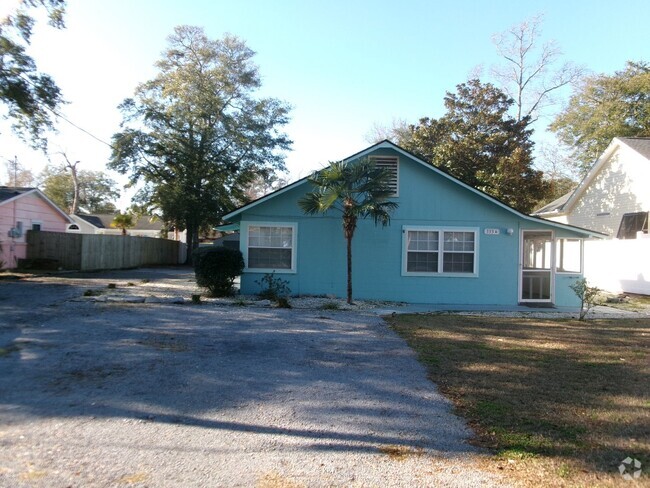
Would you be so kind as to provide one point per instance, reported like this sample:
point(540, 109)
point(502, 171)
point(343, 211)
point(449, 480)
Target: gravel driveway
point(105, 394)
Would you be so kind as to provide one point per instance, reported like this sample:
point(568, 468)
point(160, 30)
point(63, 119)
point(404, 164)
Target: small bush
point(112, 286)
point(272, 287)
point(196, 299)
point(588, 296)
point(216, 269)
point(283, 302)
point(330, 306)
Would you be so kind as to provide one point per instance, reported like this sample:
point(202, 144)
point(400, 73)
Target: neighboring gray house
point(101, 224)
point(613, 198)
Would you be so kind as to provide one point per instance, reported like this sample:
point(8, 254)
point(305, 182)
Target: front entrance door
point(536, 273)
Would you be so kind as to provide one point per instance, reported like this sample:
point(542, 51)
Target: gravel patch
point(122, 394)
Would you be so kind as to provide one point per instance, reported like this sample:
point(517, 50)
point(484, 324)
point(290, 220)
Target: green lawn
point(559, 403)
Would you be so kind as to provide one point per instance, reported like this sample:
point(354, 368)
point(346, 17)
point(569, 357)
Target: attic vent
point(391, 163)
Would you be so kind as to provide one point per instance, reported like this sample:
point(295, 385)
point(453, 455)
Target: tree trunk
point(349, 241)
point(74, 208)
point(192, 241)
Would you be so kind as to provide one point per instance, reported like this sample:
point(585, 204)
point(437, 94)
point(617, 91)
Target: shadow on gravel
point(344, 381)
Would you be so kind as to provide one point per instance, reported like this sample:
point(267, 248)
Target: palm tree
point(357, 190)
point(123, 221)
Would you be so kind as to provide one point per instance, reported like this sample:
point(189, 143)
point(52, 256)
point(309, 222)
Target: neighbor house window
point(271, 247)
point(568, 256)
point(440, 251)
point(36, 226)
point(390, 164)
point(631, 223)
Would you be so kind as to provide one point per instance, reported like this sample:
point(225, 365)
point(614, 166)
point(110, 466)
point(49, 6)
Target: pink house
point(23, 209)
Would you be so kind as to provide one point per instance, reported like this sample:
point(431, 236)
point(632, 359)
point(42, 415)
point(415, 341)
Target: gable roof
point(10, 193)
point(103, 221)
point(386, 144)
point(555, 206)
point(639, 144)
point(564, 204)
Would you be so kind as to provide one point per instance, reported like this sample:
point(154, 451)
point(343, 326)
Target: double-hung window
point(271, 247)
point(440, 251)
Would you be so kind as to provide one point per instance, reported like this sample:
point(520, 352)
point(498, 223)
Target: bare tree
point(74, 208)
point(532, 72)
point(560, 171)
point(17, 174)
point(397, 132)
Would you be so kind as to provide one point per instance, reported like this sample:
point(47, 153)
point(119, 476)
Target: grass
point(400, 453)
point(633, 303)
point(7, 350)
point(559, 403)
point(330, 306)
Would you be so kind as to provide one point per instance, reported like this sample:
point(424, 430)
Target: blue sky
point(342, 65)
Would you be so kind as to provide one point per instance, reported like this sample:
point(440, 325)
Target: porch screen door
point(536, 269)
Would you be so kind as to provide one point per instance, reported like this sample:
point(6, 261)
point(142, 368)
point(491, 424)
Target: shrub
point(330, 306)
point(283, 302)
point(216, 269)
point(272, 287)
point(587, 294)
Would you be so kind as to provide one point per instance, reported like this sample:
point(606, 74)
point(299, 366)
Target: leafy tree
point(263, 185)
point(96, 190)
point(604, 107)
point(479, 143)
point(357, 190)
point(30, 97)
point(195, 135)
point(123, 221)
point(531, 74)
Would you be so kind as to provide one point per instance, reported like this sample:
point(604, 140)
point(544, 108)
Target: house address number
point(492, 232)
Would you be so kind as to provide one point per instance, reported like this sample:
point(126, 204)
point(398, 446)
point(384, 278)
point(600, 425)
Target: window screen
point(631, 223)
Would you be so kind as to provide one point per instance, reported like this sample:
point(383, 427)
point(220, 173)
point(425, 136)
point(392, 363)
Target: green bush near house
point(216, 269)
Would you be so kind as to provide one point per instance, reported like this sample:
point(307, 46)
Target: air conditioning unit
point(14, 232)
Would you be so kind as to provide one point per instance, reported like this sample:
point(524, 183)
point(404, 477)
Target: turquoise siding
point(426, 198)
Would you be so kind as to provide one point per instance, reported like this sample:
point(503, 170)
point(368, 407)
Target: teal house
point(447, 243)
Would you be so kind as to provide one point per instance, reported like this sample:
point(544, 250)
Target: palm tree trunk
point(349, 239)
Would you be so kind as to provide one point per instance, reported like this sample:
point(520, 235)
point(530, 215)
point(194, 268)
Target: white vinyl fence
point(619, 265)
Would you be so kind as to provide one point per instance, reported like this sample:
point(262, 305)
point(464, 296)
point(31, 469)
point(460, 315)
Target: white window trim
point(374, 158)
point(440, 230)
point(582, 256)
point(243, 245)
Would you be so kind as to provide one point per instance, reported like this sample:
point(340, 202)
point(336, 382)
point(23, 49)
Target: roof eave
point(386, 144)
point(41, 195)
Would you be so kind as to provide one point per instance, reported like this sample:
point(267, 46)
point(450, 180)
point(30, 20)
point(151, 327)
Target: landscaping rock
point(125, 299)
point(172, 300)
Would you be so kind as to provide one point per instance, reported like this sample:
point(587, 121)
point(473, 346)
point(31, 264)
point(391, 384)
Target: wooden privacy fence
point(97, 251)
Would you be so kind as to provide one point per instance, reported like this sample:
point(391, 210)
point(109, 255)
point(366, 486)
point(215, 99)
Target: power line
point(80, 128)
point(66, 119)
